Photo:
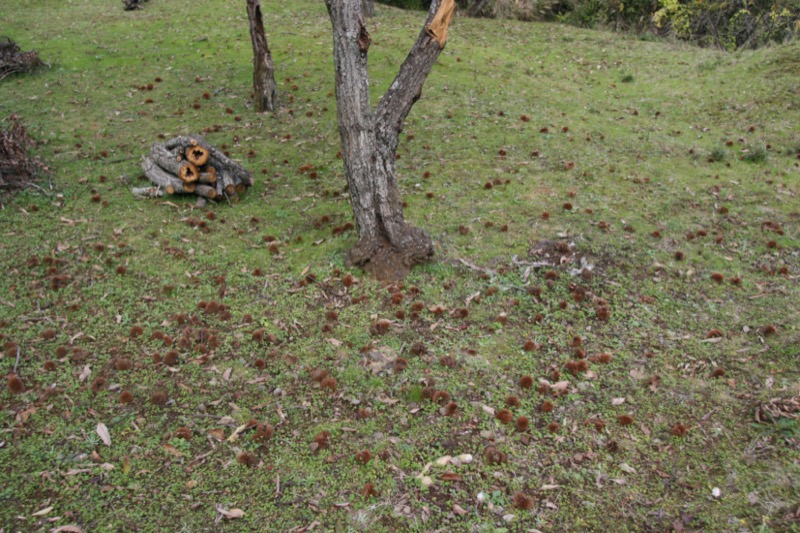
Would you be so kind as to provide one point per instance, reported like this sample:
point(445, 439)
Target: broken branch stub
point(441, 21)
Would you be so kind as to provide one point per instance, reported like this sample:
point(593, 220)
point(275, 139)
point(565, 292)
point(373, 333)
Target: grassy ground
point(680, 168)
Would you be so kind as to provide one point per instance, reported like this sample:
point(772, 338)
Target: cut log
point(206, 191)
point(163, 179)
point(148, 192)
point(189, 173)
point(217, 159)
point(197, 155)
point(189, 187)
point(200, 203)
point(173, 162)
point(208, 176)
point(228, 183)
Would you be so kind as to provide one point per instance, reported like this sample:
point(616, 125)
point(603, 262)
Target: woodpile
point(189, 165)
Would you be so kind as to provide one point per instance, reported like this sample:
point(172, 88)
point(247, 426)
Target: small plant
point(717, 155)
point(754, 155)
point(627, 78)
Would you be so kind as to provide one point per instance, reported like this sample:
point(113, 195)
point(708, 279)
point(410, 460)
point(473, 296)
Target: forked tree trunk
point(387, 246)
point(263, 68)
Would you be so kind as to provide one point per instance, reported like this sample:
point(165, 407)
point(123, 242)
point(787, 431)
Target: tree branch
point(406, 88)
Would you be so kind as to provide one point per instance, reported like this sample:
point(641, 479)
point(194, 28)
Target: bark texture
point(263, 67)
point(387, 246)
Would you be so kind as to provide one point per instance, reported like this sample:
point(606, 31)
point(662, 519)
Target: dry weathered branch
point(12, 60)
point(169, 183)
point(206, 191)
point(208, 176)
point(406, 88)
point(169, 160)
point(148, 192)
point(18, 170)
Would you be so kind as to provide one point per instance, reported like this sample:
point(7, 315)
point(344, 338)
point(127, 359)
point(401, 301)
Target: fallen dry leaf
point(23, 416)
point(217, 434)
point(43, 511)
point(442, 461)
point(173, 450)
point(235, 434)
point(233, 513)
point(451, 476)
point(637, 373)
point(105, 436)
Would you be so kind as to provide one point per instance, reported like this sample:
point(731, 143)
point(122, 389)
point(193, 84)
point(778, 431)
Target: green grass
point(623, 130)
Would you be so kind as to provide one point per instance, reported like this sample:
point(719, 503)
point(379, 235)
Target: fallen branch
point(13, 61)
point(18, 170)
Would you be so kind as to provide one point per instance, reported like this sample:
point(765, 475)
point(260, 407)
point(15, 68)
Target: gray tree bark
point(263, 67)
point(387, 247)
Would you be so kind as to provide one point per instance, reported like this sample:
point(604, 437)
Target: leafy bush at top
point(729, 24)
point(726, 24)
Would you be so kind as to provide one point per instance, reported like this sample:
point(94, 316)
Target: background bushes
point(727, 24)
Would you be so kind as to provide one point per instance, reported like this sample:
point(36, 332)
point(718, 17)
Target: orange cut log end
point(197, 155)
point(189, 173)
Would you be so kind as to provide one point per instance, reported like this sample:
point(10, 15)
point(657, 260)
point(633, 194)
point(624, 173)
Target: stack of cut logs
point(189, 165)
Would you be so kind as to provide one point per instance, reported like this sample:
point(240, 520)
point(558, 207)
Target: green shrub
point(729, 24)
point(717, 155)
point(726, 24)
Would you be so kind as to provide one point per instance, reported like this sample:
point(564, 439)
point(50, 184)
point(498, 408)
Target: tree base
point(388, 261)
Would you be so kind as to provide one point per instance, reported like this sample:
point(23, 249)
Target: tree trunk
point(387, 246)
point(369, 7)
point(263, 68)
